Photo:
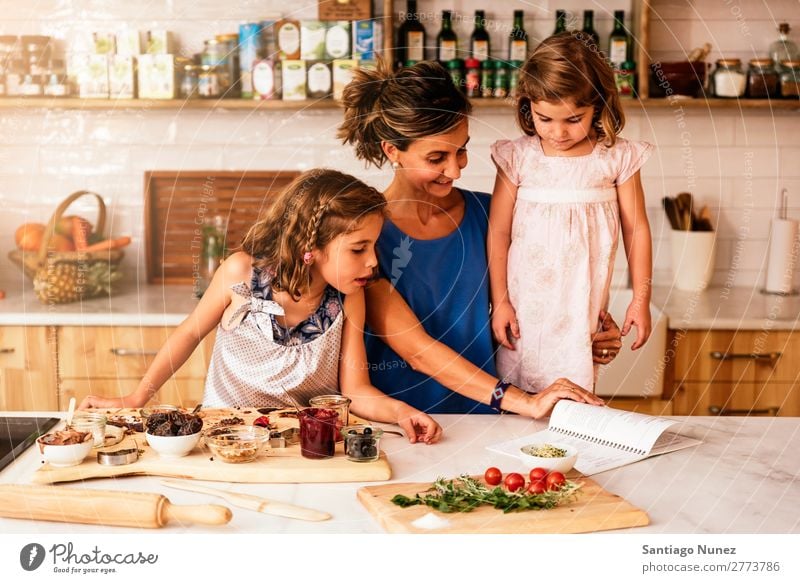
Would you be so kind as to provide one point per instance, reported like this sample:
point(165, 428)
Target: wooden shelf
point(674, 103)
point(161, 104)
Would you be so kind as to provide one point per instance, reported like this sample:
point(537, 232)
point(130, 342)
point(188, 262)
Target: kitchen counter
point(736, 308)
point(741, 479)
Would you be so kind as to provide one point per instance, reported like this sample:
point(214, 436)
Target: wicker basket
point(96, 270)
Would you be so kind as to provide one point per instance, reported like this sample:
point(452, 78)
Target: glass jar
point(790, 79)
point(472, 78)
point(762, 79)
point(487, 78)
point(456, 69)
point(514, 72)
point(729, 80)
point(94, 423)
point(15, 75)
point(189, 82)
point(213, 235)
point(625, 77)
point(500, 89)
point(31, 86)
point(338, 403)
point(317, 432)
point(362, 442)
point(208, 82)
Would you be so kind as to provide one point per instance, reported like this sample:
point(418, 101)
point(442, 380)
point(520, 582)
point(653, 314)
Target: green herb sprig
point(465, 493)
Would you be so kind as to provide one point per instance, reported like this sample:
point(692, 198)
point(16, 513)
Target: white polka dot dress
point(249, 369)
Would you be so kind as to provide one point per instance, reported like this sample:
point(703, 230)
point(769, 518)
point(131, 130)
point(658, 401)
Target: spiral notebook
point(605, 438)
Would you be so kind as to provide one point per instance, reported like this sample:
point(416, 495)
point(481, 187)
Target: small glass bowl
point(236, 444)
point(94, 423)
point(362, 442)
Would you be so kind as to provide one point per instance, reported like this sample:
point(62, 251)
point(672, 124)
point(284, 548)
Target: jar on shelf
point(15, 75)
point(762, 79)
point(208, 82)
point(729, 80)
point(790, 79)
point(31, 86)
point(189, 81)
point(500, 88)
point(456, 69)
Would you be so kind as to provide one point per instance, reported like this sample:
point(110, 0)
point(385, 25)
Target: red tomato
point(493, 476)
point(537, 487)
point(514, 482)
point(537, 474)
point(555, 480)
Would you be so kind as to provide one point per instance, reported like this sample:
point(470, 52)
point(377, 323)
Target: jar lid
point(211, 42)
point(729, 62)
point(234, 36)
point(790, 63)
point(455, 64)
point(761, 62)
point(472, 63)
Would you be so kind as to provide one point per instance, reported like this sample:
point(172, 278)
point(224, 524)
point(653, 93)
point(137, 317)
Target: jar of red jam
point(317, 432)
point(338, 403)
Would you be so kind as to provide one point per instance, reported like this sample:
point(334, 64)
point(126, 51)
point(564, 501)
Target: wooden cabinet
point(734, 373)
point(28, 368)
point(646, 406)
point(111, 360)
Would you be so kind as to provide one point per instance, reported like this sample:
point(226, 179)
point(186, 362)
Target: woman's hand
point(638, 315)
point(606, 344)
point(504, 317)
point(544, 401)
point(418, 425)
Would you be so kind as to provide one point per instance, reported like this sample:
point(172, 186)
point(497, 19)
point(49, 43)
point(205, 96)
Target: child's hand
point(504, 317)
point(419, 426)
point(638, 315)
point(96, 402)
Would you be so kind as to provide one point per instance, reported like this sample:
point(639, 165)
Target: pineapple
point(62, 282)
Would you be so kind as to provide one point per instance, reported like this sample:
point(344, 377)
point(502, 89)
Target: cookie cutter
point(120, 457)
point(284, 437)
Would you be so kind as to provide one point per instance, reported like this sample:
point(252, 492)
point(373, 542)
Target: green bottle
point(561, 21)
point(588, 27)
point(619, 42)
point(447, 40)
point(410, 37)
point(479, 46)
point(518, 46)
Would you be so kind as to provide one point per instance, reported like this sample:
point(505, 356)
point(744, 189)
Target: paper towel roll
point(782, 256)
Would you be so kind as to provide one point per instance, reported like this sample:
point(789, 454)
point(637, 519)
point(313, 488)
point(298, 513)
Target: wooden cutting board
point(594, 509)
point(274, 465)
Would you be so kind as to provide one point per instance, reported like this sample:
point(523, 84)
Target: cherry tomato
point(537, 474)
point(537, 487)
point(514, 482)
point(555, 480)
point(493, 476)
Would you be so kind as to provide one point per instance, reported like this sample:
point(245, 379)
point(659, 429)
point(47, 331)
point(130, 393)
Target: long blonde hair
point(569, 66)
point(318, 206)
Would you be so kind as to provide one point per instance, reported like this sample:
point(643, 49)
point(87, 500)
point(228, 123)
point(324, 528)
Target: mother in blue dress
point(429, 339)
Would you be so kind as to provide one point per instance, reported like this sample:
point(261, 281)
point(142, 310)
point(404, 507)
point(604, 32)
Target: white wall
point(734, 161)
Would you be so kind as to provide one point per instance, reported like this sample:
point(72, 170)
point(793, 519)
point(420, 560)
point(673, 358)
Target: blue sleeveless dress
point(445, 281)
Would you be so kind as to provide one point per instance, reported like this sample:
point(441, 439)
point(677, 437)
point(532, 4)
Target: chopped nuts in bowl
point(236, 444)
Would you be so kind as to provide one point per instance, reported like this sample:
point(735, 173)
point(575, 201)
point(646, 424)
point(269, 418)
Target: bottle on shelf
point(479, 41)
point(518, 44)
point(561, 21)
point(619, 42)
point(410, 37)
point(783, 49)
point(447, 40)
point(588, 27)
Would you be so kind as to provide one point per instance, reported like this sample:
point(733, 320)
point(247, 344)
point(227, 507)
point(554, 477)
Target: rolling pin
point(108, 507)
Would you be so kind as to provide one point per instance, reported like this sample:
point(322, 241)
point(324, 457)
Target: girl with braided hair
point(289, 310)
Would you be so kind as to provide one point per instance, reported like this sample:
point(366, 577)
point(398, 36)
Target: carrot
point(80, 233)
point(109, 244)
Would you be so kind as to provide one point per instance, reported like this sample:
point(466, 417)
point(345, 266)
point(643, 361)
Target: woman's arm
point(638, 248)
point(498, 241)
point(368, 401)
point(391, 318)
point(185, 338)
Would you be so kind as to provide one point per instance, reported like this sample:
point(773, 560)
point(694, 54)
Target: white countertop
point(741, 479)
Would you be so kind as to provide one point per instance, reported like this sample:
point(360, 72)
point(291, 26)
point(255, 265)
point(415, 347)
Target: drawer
point(747, 356)
point(752, 399)
point(108, 352)
point(27, 368)
point(181, 392)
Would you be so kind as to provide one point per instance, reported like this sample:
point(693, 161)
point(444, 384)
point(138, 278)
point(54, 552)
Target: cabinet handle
point(772, 356)
point(6, 350)
point(128, 352)
point(722, 412)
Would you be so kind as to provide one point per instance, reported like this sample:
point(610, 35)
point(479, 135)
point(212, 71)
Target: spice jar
point(500, 89)
point(208, 82)
point(514, 70)
point(790, 79)
point(317, 432)
point(472, 78)
point(487, 78)
point(94, 423)
point(189, 82)
point(456, 69)
point(338, 403)
point(729, 80)
point(762, 79)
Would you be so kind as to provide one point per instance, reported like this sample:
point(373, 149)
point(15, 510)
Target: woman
point(430, 344)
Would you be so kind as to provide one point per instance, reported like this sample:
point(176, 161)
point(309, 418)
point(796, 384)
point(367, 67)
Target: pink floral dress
point(563, 241)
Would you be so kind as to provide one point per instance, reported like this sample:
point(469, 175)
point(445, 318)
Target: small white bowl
point(65, 456)
point(551, 464)
point(173, 445)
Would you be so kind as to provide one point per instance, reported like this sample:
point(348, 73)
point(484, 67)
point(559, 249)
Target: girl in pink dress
point(562, 192)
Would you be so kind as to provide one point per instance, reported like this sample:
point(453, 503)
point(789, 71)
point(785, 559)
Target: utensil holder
point(693, 257)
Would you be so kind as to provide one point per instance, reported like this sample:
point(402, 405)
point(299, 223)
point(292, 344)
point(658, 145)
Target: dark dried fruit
point(267, 410)
point(173, 423)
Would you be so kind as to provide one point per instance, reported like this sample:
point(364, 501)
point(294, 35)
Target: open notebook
point(605, 438)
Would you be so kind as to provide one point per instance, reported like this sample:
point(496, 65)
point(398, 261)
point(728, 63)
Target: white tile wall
point(734, 161)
